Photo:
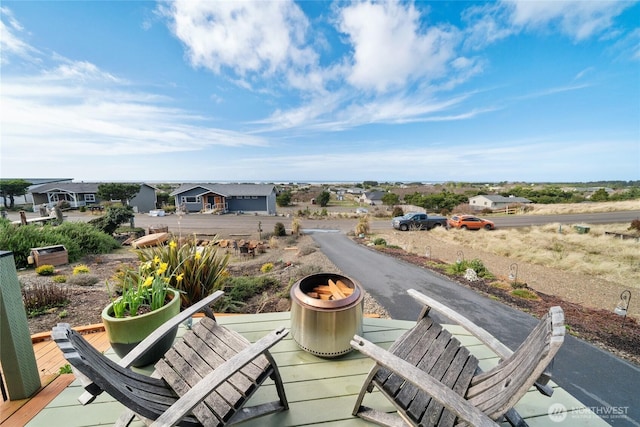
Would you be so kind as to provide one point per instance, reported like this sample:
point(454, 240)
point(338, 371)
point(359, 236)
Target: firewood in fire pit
point(331, 291)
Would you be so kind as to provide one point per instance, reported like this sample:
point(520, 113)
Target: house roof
point(374, 195)
point(496, 198)
point(71, 187)
point(228, 190)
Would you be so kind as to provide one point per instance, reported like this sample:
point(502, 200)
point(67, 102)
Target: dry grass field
point(591, 269)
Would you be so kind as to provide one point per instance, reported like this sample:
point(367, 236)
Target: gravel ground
point(578, 288)
point(88, 300)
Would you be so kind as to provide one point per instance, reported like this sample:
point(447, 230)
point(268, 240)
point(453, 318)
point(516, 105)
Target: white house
point(495, 201)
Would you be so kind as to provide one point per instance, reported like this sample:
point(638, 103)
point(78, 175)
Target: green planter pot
point(127, 332)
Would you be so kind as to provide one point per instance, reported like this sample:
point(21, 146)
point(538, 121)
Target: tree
point(111, 220)
point(390, 199)
point(9, 188)
point(323, 198)
point(600, 195)
point(122, 192)
point(284, 198)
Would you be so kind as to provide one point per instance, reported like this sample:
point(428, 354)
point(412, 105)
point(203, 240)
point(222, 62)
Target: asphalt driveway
point(599, 379)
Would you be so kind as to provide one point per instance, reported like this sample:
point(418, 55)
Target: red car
point(470, 222)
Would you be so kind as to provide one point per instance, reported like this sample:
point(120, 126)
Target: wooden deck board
point(320, 391)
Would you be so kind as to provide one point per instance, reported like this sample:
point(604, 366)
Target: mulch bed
point(603, 328)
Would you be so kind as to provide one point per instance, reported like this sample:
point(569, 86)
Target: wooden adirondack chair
point(204, 379)
point(433, 380)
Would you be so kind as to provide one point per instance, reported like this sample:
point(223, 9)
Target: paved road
point(226, 225)
point(595, 377)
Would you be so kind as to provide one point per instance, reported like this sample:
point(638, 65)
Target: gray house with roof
point(495, 201)
point(225, 198)
point(79, 194)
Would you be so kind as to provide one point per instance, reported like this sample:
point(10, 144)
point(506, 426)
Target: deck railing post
point(16, 350)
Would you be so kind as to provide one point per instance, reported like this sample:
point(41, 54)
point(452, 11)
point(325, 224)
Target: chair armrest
point(91, 393)
point(207, 384)
point(482, 334)
point(166, 327)
point(425, 382)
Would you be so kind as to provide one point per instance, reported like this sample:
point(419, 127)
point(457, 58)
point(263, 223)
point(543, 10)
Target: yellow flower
point(173, 244)
point(163, 267)
point(148, 281)
point(198, 256)
point(180, 277)
point(156, 259)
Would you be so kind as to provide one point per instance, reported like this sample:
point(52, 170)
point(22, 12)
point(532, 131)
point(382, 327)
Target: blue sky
point(320, 91)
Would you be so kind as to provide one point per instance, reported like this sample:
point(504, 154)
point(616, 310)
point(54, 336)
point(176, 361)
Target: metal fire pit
point(325, 328)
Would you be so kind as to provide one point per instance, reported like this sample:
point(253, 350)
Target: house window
point(254, 197)
point(90, 198)
point(191, 199)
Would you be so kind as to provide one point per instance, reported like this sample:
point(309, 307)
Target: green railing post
point(16, 350)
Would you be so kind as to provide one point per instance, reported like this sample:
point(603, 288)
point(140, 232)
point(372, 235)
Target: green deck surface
point(320, 391)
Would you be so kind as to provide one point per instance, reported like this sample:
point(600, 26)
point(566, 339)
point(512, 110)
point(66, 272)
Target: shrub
point(40, 298)
point(113, 217)
point(279, 230)
point(238, 290)
point(267, 267)
point(78, 238)
point(45, 270)
point(296, 224)
point(379, 241)
point(81, 269)
point(459, 268)
point(60, 278)
point(363, 225)
point(66, 369)
point(202, 268)
point(635, 225)
point(397, 211)
point(524, 293)
point(85, 279)
point(306, 250)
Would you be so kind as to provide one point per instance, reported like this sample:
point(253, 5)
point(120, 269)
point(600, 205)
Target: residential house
point(79, 194)
point(224, 198)
point(373, 198)
point(495, 201)
point(27, 198)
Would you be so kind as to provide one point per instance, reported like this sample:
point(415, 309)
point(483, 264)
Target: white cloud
point(10, 43)
point(390, 47)
point(79, 110)
point(261, 38)
point(577, 19)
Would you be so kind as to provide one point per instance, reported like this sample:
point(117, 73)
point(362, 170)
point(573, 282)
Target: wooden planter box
point(51, 255)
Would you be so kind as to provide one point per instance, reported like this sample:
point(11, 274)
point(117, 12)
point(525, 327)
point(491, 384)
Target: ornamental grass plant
point(197, 270)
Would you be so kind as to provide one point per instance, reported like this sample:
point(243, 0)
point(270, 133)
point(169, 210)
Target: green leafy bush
point(238, 290)
point(379, 241)
point(279, 230)
point(459, 268)
point(78, 238)
point(113, 217)
point(60, 278)
point(45, 270)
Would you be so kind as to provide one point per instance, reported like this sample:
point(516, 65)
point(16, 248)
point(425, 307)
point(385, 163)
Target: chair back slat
point(497, 390)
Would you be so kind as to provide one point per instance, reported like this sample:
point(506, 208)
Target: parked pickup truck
point(418, 221)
